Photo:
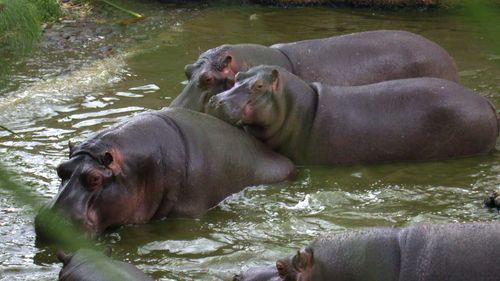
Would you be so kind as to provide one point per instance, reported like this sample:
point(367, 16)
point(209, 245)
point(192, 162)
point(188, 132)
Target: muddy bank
point(88, 33)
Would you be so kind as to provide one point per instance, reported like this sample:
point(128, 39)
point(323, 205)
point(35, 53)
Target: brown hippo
point(422, 252)
point(168, 163)
point(89, 265)
point(406, 119)
point(347, 60)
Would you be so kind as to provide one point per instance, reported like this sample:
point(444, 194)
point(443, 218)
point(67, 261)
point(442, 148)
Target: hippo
point(493, 200)
point(423, 252)
point(157, 164)
point(398, 120)
point(264, 273)
point(90, 265)
point(347, 60)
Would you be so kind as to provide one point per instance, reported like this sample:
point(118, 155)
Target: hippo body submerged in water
point(347, 60)
point(168, 163)
point(399, 120)
point(422, 252)
point(89, 265)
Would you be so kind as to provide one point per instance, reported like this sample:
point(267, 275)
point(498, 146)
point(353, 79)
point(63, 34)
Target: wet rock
point(103, 30)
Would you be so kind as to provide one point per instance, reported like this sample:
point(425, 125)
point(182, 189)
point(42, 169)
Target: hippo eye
point(258, 86)
point(93, 180)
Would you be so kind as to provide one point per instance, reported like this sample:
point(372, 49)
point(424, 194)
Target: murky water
point(262, 223)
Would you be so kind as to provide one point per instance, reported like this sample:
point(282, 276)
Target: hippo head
point(493, 200)
point(265, 273)
point(90, 265)
point(254, 102)
point(107, 181)
point(298, 267)
point(82, 264)
point(211, 74)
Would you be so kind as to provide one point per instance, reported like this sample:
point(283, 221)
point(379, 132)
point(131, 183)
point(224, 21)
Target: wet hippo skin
point(89, 265)
point(399, 120)
point(352, 59)
point(168, 163)
point(423, 252)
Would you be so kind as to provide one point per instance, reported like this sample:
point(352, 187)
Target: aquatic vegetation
point(20, 27)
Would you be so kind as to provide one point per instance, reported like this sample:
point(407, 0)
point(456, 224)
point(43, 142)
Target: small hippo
point(168, 163)
point(421, 252)
point(90, 265)
point(347, 60)
point(493, 200)
point(406, 119)
point(215, 69)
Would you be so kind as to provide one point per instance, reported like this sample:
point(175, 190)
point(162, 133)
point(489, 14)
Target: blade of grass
point(8, 130)
point(68, 236)
point(137, 15)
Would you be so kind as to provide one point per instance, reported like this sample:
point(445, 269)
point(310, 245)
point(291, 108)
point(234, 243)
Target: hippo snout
point(52, 226)
point(214, 102)
point(46, 224)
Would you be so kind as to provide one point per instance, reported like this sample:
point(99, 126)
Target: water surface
point(261, 223)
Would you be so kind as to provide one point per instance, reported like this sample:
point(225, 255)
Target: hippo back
point(407, 119)
point(88, 265)
point(356, 255)
point(458, 252)
point(368, 57)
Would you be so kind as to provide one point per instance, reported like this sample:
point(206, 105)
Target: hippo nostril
point(214, 102)
point(237, 277)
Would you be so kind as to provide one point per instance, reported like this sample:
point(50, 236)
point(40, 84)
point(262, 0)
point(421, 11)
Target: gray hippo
point(90, 265)
point(406, 119)
point(347, 60)
point(493, 200)
point(168, 163)
point(421, 252)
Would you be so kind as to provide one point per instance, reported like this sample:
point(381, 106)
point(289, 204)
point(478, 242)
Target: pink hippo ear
point(282, 267)
point(113, 160)
point(229, 67)
point(107, 159)
point(304, 259)
point(275, 79)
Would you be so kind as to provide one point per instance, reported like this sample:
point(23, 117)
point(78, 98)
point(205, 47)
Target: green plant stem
point(137, 15)
point(8, 130)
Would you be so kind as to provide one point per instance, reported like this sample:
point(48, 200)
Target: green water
point(262, 223)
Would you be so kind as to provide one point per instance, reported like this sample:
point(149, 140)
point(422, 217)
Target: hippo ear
point(275, 79)
point(188, 70)
point(282, 267)
point(227, 61)
point(304, 259)
point(107, 159)
point(71, 147)
point(63, 257)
